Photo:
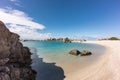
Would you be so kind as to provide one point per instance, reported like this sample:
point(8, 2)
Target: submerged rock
point(85, 53)
point(74, 52)
point(15, 60)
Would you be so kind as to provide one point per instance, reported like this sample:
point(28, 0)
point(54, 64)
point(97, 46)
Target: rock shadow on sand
point(46, 71)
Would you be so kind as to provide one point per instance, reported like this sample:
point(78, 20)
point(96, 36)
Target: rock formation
point(67, 40)
point(15, 60)
point(85, 53)
point(77, 52)
point(74, 52)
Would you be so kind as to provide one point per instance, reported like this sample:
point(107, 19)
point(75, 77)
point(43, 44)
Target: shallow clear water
point(57, 52)
point(54, 47)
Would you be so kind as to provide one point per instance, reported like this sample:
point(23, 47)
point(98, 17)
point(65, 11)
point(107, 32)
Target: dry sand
point(107, 67)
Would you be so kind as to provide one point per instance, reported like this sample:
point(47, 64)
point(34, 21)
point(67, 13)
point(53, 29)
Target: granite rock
point(15, 59)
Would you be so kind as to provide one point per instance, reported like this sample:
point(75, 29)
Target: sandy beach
point(107, 67)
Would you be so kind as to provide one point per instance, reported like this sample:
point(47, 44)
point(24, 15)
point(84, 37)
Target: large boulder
point(85, 53)
point(15, 59)
point(77, 52)
point(74, 52)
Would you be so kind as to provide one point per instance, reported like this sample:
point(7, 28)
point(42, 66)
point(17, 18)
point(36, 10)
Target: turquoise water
point(54, 47)
point(51, 52)
point(57, 51)
point(50, 46)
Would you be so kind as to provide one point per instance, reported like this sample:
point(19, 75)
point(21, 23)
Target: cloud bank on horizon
point(20, 23)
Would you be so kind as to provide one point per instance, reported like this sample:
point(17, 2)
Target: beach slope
point(107, 67)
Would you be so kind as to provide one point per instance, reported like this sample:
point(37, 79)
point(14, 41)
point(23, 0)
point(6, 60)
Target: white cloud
point(14, 0)
point(17, 4)
point(18, 17)
point(27, 33)
point(19, 22)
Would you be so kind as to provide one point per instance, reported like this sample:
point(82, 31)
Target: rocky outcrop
point(15, 60)
point(67, 40)
point(74, 52)
point(77, 52)
point(85, 53)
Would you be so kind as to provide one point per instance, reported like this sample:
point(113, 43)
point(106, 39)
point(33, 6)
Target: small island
point(65, 40)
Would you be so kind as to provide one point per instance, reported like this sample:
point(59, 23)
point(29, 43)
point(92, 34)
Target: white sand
point(107, 67)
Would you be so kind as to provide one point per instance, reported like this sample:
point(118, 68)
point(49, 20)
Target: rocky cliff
point(15, 59)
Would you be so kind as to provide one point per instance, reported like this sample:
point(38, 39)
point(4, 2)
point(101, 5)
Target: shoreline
point(80, 63)
point(106, 68)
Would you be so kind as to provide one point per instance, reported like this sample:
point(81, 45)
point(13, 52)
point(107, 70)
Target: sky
point(40, 19)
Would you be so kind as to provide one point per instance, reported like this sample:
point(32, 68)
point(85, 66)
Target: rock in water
point(85, 53)
point(15, 59)
point(74, 52)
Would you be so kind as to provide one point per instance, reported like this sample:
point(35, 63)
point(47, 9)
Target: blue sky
point(66, 18)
